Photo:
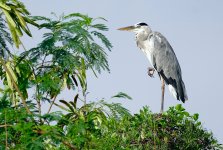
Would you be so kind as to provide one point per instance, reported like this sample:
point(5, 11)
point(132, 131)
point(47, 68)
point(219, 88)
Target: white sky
point(193, 28)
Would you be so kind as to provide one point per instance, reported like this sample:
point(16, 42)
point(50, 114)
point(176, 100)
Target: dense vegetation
point(34, 78)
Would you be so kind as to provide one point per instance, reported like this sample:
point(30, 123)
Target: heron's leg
point(151, 71)
point(162, 97)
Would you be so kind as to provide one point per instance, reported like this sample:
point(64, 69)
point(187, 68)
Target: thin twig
point(3, 126)
point(51, 104)
point(54, 99)
point(6, 134)
point(69, 145)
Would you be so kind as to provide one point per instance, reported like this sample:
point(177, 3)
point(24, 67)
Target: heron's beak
point(129, 28)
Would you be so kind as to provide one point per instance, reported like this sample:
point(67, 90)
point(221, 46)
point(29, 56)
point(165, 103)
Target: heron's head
point(137, 28)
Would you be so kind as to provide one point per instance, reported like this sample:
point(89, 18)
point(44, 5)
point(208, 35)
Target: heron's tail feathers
point(179, 92)
point(182, 93)
point(172, 91)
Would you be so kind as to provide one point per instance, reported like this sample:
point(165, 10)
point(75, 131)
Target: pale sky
point(194, 30)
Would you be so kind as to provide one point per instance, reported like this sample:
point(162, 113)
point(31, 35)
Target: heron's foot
point(151, 72)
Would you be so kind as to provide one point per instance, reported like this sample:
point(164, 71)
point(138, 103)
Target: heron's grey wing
point(166, 63)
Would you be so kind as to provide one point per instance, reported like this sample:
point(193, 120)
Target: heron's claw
point(151, 72)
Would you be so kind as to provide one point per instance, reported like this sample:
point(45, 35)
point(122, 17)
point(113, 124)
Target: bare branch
point(54, 99)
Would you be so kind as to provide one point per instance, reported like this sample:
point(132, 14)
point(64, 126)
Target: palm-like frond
point(16, 16)
point(5, 38)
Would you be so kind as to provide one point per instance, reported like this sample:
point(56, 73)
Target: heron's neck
point(142, 36)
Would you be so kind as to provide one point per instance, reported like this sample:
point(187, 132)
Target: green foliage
point(16, 16)
point(71, 38)
point(174, 129)
point(96, 126)
point(4, 38)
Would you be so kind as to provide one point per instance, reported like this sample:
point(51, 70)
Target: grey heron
point(163, 59)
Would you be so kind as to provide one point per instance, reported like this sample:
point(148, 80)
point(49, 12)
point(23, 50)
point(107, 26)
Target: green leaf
point(101, 18)
point(23, 23)
point(14, 34)
point(11, 71)
point(196, 116)
point(68, 105)
point(4, 6)
point(74, 80)
point(74, 103)
point(9, 18)
point(122, 95)
point(87, 19)
point(30, 21)
point(18, 31)
point(100, 27)
point(179, 107)
point(63, 108)
point(103, 38)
